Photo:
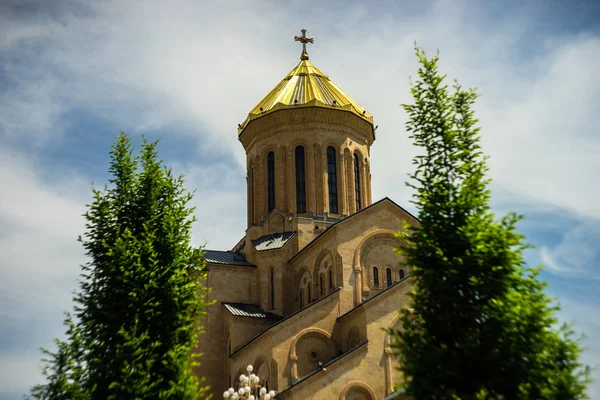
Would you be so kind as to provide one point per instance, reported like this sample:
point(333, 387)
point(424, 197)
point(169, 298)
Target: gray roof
point(226, 257)
point(248, 310)
point(272, 242)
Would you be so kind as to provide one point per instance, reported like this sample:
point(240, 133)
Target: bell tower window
point(300, 182)
point(272, 289)
point(357, 181)
point(332, 180)
point(271, 180)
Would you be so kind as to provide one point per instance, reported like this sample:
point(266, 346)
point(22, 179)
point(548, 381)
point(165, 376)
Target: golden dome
point(305, 86)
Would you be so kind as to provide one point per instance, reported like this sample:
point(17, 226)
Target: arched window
point(272, 289)
point(309, 296)
point(271, 180)
point(357, 181)
point(322, 284)
point(375, 277)
point(401, 274)
point(301, 296)
point(300, 181)
point(332, 180)
point(330, 279)
point(388, 277)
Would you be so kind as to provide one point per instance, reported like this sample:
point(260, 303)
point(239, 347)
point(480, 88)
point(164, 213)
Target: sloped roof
point(248, 310)
point(273, 241)
point(226, 257)
point(306, 85)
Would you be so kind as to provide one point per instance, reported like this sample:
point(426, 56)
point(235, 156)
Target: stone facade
point(321, 270)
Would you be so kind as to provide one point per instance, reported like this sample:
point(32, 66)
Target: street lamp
point(249, 388)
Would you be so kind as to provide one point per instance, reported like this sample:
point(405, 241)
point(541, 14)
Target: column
point(294, 360)
point(357, 285)
point(343, 202)
point(363, 184)
point(350, 179)
point(369, 187)
point(389, 385)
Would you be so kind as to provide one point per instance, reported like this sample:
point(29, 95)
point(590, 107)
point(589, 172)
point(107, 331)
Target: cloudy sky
point(75, 73)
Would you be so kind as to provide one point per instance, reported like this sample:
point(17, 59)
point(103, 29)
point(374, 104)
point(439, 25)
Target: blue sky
point(75, 73)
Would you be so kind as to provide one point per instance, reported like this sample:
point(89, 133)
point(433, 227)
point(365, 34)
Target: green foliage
point(140, 297)
point(480, 325)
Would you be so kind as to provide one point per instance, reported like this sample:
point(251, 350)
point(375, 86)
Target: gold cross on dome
point(303, 39)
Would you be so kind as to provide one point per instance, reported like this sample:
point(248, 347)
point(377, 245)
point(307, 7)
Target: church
point(307, 294)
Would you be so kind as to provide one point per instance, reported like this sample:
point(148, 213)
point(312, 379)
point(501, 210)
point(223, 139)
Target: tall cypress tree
point(141, 295)
point(480, 325)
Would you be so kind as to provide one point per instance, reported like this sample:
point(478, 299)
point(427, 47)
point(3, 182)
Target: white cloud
point(577, 254)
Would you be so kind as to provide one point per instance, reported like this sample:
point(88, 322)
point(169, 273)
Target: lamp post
point(249, 388)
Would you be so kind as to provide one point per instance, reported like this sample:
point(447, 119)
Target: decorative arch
point(360, 388)
point(305, 334)
point(302, 285)
point(322, 272)
point(262, 369)
point(358, 253)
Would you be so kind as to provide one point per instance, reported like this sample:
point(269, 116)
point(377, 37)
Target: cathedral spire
point(303, 39)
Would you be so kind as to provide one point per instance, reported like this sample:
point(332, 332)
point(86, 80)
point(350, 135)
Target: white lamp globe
point(249, 368)
point(231, 391)
point(247, 389)
point(272, 393)
point(263, 391)
point(242, 377)
point(241, 391)
point(235, 396)
point(226, 395)
point(267, 397)
point(251, 397)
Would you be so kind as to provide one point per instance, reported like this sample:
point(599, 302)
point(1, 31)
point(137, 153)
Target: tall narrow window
point(252, 195)
point(330, 279)
point(301, 295)
point(401, 274)
point(271, 180)
point(322, 284)
point(388, 277)
point(309, 297)
point(272, 289)
point(300, 181)
point(332, 180)
point(357, 181)
point(375, 277)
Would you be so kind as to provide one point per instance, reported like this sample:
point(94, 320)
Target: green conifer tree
point(480, 325)
point(141, 294)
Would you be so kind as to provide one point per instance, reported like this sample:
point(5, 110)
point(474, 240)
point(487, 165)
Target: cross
point(303, 39)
